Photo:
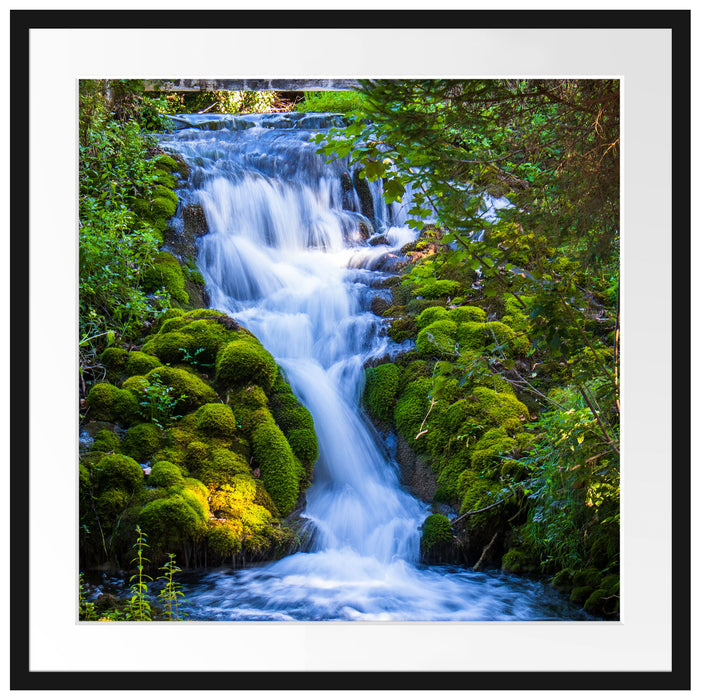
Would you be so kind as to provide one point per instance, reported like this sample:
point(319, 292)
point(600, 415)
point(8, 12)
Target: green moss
point(437, 338)
point(110, 504)
point(245, 361)
point(142, 441)
point(488, 449)
point(515, 561)
point(436, 531)
point(106, 441)
point(166, 273)
point(563, 580)
point(411, 408)
point(477, 492)
point(169, 522)
point(381, 387)
point(580, 594)
point(140, 363)
point(165, 474)
point(107, 402)
point(587, 577)
point(500, 409)
point(463, 314)
point(305, 446)
point(431, 314)
point(166, 163)
point(435, 289)
point(207, 337)
point(114, 360)
point(275, 458)
point(216, 419)
point(118, 472)
point(166, 180)
point(224, 540)
point(170, 348)
point(221, 467)
point(188, 388)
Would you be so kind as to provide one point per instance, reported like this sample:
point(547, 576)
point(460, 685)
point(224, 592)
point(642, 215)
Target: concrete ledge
point(280, 84)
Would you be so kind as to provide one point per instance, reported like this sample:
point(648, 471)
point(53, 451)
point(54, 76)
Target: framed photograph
point(382, 586)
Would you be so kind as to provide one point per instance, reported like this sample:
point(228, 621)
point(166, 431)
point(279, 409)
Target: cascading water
point(286, 257)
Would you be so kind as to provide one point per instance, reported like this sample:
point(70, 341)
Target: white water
point(284, 256)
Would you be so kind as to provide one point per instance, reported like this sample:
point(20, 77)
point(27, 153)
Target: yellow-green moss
point(436, 531)
point(381, 387)
point(435, 289)
point(437, 338)
point(165, 474)
point(431, 314)
point(107, 402)
point(216, 419)
point(142, 441)
point(165, 273)
point(278, 467)
point(411, 408)
point(463, 314)
point(106, 441)
point(244, 361)
point(221, 467)
point(490, 447)
point(477, 491)
point(139, 363)
point(118, 472)
point(499, 409)
point(189, 390)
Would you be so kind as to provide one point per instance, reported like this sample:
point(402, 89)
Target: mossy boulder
point(580, 594)
point(412, 406)
point(216, 419)
point(489, 449)
point(220, 467)
point(381, 387)
point(437, 338)
point(165, 474)
point(463, 314)
point(244, 361)
point(108, 403)
point(275, 458)
point(114, 359)
point(139, 362)
point(170, 522)
point(431, 314)
point(436, 289)
point(165, 273)
point(477, 492)
point(515, 561)
point(189, 390)
point(499, 408)
point(436, 532)
point(563, 580)
point(118, 472)
point(141, 441)
point(106, 441)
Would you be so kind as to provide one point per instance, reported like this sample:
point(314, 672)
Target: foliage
point(171, 592)
point(335, 101)
point(138, 606)
point(219, 101)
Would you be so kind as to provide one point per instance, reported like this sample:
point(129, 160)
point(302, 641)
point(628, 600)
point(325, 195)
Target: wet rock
point(195, 223)
point(380, 239)
point(379, 305)
point(416, 474)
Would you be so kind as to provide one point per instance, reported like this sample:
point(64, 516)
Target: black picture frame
point(22, 677)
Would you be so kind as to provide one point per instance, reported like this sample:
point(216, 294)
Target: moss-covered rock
point(118, 472)
point(563, 580)
point(114, 359)
point(477, 492)
point(216, 419)
point(107, 402)
point(381, 387)
point(139, 363)
point(165, 474)
point(222, 466)
point(587, 577)
point(142, 441)
point(431, 314)
point(106, 441)
point(515, 561)
point(165, 273)
point(490, 447)
point(171, 521)
point(437, 338)
point(463, 314)
point(244, 361)
point(436, 289)
point(412, 406)
point(500, 409)
point(580, 594)
point(277, 464)
point(189, 390)
point(436, 532)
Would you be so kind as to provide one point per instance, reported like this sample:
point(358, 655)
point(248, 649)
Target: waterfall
point(286, 255)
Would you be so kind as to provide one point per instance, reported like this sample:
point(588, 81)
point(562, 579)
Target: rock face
point(415, 472)
point(195, 223)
